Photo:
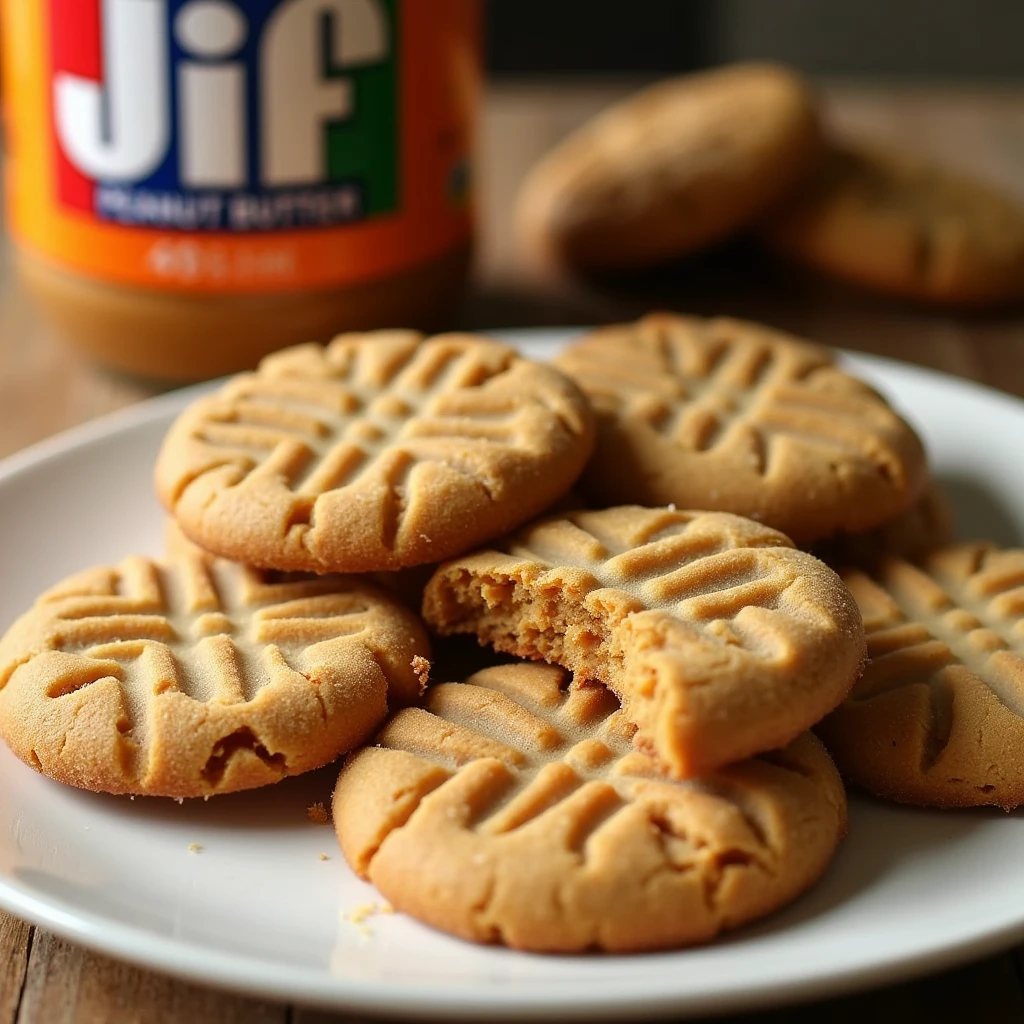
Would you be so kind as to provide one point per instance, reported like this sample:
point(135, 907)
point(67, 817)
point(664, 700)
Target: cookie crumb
point(357, 916)
point(317, 813)
point(194, 848)
point(421, 669)
point(322, 856)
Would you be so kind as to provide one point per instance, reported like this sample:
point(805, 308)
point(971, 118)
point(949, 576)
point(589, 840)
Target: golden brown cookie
point(513, 808)
point(673, 168)
point(723, 414)
point(719, 637)
point(937, 719)
point(198, 676)
point(380, 451)
point(926, 525)
point(899, 225)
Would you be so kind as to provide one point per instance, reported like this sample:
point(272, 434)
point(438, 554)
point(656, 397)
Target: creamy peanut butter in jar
point(193, 183)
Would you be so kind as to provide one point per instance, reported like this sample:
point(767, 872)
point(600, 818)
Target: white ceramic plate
point(256, 909)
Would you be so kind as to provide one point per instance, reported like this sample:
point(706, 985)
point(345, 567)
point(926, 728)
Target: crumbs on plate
point(358, 916)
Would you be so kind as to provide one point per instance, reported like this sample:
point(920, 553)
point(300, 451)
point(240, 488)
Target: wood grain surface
point(46, 387)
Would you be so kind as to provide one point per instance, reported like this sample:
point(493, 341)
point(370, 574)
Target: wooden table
point(45, 387)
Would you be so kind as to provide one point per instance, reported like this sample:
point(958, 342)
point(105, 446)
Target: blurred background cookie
point(898, 224)
point(674, 168)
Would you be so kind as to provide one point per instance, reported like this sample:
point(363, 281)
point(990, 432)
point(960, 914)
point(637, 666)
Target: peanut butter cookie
point(937, 719)
point(379, 452)
point(513, 808)
point(899, 225)
point(733, 416)
point(199, 676)
point(721, 639)
point(669, 170)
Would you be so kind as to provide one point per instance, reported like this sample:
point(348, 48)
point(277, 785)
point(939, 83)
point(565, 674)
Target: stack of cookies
point(695, 160)
point(637, 770)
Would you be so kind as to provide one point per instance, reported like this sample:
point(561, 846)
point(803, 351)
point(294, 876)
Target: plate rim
point(317, 987)
point(416, 1001)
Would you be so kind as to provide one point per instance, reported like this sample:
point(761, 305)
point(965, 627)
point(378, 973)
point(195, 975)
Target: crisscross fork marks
point(514, 763)
point(378, 408)
point(569, 762)
point(161, 629)
point(322, 445)
point(704, 386)
point(562, 754)
point(962, 607)
point(132, 634)
point(675, 564)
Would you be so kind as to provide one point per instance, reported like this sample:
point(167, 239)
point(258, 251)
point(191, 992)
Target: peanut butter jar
point(194, 183)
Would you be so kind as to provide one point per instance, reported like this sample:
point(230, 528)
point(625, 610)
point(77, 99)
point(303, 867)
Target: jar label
point(240, 145)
